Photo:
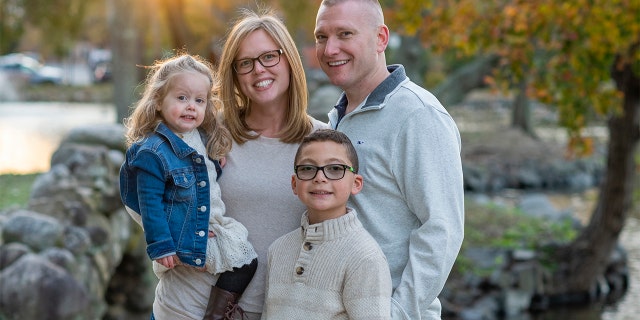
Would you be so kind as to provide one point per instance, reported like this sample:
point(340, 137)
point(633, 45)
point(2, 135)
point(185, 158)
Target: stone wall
point(64, 256)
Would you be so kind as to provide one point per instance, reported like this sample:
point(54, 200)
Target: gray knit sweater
point(329, 270)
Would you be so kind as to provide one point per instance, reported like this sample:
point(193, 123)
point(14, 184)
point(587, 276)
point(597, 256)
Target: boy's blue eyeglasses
point(331, 171)
point(267, 59)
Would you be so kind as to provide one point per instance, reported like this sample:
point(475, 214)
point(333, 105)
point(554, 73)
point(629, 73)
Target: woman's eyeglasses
point(267, 59)
point(331, 171)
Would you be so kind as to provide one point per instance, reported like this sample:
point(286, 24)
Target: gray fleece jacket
point(412, 201)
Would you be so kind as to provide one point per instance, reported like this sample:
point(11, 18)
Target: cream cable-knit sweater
point(330, 270)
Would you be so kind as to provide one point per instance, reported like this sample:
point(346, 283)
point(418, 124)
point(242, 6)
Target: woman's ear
point(294, 184)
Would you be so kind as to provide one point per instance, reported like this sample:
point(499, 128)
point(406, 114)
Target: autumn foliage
point(565, 49)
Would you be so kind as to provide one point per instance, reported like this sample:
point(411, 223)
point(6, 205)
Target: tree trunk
point(468, 77)
point(180, 33)
point(589, 254)
point(521, 114)
point(127, 54)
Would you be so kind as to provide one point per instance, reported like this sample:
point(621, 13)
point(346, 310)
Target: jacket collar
point(377, 96)
point(180, 148)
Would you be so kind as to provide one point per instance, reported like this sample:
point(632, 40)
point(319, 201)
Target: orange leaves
point(510, 11)
point(407, 14)
point(579, 146)
point(565, 49)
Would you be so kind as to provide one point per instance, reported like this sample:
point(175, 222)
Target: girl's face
point(183, 107)
point(263, 85)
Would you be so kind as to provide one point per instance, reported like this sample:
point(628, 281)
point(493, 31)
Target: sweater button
point(307, 246)
point(299, 270)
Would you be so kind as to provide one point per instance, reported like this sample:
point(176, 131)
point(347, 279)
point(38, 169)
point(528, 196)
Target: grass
point(15, 189)
point(493, 226)
point(99, 93)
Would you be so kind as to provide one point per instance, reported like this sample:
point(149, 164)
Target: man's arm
point(429, 173)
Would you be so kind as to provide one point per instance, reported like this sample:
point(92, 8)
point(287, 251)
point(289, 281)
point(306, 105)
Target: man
point(413, 198)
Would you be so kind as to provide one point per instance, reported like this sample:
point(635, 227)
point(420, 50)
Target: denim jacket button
point(198, 160)
point(201, 233)
point(198, 261)
point(202, 184)
point(202, 208)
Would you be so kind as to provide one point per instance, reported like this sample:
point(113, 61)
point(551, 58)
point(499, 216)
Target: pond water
point(628, 307)
point(30, 133)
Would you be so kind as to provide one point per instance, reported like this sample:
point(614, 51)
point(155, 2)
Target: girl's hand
point(222, 161)
point(169, 262)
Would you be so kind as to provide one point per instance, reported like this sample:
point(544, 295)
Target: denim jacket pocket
point(184, 180)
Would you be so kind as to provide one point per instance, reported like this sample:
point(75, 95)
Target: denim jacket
point(166, 182)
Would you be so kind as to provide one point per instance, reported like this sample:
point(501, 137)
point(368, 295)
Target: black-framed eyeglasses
point(331, 171)
point(267, 59)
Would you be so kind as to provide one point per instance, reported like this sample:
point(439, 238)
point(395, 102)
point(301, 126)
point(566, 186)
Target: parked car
point(20, 67)
point(102, 71)
point(99, 61)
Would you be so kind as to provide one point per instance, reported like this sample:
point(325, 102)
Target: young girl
point(168, 183)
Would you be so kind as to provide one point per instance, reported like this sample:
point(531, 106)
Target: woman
point(264, 92)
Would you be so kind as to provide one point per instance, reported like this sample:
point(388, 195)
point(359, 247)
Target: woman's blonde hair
point(145, 116)
point(236, 104)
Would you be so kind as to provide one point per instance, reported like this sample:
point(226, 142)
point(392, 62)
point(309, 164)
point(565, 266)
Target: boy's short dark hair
point(331, 135)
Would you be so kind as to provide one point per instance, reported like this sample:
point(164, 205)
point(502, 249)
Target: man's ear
point(383, 38)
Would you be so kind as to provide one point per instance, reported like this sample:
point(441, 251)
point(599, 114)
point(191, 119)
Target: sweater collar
point(330, 229)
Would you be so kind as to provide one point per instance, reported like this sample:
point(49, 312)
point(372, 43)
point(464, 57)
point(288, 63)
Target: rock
point(11, 252)
point(109, 135)
point(33, 229)
point(322, 101)
point(538, 205)
point(59, 256)
point(34, 288)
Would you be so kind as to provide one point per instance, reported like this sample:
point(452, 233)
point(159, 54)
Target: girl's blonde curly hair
point(145, 116)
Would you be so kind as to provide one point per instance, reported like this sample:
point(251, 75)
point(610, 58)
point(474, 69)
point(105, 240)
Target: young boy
point(330, 268)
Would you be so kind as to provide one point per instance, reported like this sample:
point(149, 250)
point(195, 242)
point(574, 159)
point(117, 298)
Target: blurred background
point(545, 94)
